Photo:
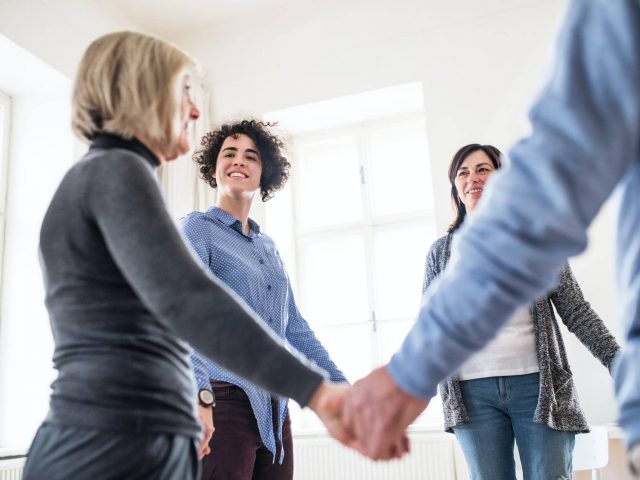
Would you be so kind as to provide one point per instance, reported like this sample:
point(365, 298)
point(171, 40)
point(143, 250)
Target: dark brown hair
point(460, 156)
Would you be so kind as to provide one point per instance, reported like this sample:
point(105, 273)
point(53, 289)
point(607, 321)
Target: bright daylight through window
point(358, 216)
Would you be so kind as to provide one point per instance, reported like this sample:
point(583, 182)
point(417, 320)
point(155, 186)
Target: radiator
point(319, 457)
point(11, 469)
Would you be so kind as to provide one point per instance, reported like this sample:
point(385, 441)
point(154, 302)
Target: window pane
point(391, 336)
point(328, 186)
point(350, 349)
point(278, 214)
point(399, 256)
point(400, 172)
point(333, 280)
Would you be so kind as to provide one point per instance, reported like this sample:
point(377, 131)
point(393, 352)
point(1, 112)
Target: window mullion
point(367, 231)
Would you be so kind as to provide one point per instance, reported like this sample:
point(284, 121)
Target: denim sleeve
point(585, 134)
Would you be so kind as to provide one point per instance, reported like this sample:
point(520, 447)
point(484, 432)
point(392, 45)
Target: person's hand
point(326, 402)
point(376, 412)
point(206, 419)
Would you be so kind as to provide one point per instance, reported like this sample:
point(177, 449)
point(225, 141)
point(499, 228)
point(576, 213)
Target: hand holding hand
point(377, 413)
point(327, 402)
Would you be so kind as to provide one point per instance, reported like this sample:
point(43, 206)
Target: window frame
point(368, 226)
point(369, 223)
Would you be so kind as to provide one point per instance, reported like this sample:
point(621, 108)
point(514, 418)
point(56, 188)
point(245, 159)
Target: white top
point(512, 352)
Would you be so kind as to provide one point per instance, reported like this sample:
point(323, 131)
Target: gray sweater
point(558, 399)
point(123, 293)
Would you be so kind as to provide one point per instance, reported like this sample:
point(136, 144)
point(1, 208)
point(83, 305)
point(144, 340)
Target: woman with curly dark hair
point(253, 430)
point(275, 167)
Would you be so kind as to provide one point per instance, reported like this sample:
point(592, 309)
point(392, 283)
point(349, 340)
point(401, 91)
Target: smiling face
point(238, 166)
point(471, 177)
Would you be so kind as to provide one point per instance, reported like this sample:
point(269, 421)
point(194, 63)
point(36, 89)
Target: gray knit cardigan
point(558, 400)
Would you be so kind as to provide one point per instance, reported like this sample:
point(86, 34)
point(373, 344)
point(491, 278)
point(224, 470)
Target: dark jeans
point(237, 452)
point(69, 453)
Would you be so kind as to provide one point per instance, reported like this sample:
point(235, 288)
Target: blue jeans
point(500, 410)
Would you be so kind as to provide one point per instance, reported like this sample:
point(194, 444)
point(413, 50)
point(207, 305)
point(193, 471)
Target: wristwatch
point(206, 398)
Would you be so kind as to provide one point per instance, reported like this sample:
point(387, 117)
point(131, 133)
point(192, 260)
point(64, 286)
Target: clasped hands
point(371, 416)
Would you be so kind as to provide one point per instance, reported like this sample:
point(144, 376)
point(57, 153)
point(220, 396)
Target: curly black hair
point(275, 167)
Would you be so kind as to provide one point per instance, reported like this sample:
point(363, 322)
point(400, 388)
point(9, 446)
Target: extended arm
point(581, 320)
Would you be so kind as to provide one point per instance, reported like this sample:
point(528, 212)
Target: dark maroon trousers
point(237, 452)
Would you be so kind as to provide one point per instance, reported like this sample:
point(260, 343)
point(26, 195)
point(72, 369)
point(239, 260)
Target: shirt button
point(261, 261)
point(270, 320)
point(268, 287)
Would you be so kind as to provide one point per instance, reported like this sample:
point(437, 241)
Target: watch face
point(206, 397)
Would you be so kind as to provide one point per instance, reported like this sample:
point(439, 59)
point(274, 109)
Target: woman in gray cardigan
point(520, 386)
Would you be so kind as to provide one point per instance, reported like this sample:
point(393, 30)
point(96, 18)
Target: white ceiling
point(173, 18)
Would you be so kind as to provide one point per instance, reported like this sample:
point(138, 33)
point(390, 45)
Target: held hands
point(206, 420)
point(327, 403)
point(371, 416)
point(377, 413)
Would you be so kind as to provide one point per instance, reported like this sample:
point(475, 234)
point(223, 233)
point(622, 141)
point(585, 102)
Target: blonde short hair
point(126, 82)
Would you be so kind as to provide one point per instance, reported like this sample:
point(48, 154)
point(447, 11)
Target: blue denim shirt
point(584, 143)
point(251, 266)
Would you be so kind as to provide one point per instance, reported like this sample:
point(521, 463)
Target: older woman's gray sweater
point(558, 399)
point(123, 291)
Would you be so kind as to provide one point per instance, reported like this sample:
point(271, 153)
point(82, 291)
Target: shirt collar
point(109, 140)
point(233, 222)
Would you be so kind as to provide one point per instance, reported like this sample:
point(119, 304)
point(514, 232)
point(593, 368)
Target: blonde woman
point(123, 290)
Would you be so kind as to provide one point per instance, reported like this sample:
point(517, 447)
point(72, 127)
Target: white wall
point(41, 150)
point(481, 65)
point(58, 31)
point(39, 39)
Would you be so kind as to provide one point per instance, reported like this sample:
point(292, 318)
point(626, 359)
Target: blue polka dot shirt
point(251, 266)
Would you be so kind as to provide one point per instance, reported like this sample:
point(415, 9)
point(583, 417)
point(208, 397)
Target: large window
point(361, 214)
point(5, 122)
